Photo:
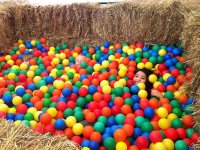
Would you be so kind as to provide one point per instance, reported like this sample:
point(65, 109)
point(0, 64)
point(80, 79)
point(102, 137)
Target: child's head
point(26, 58)
point(79, 60)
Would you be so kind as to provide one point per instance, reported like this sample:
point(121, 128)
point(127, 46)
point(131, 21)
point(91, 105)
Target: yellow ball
point(131, 51)
point(30, 74)
point(164, 123)
point(151, 146)
point(111, 57)
point(148, 65)
point(33, 42)
point(118, 84)
point(141, 86)
point(52, 111)
point(85, 148)
point(58, 84)
point(10, 62)
point(20, 41)
point(11, 76)
point(65, 62)
point(77, 129)
point(22, 45)
point(23, 66)
point(122, 81)
point(162, 52)
point(105, 64)
point(55, 61)
point(171, 117)
point(16, 100)
point(97, 67)
point(177, 94)
point(32, 110)
point(166, 76)
point(33, 124)
point(33, 68)
point(1, 101)
point(52, 48)
point(106, 89)
point(37, 114)
point(44, 89)
point(17, 122)
point(156, 84)
point(169, 144)
point(36, 79)
point(70, 121)
point(162, 112)
point(51, 53)
point(142, 94)
point(62, 55)
point(103, 83)
point(140, 65)
point(138, 49)
point(72, 70)
point(125, 49)
point(121, 146)
point(4, 108)
point(153, 78)
point(121, 73)
point(12, 110)
point(159, 146)
point(7, 57)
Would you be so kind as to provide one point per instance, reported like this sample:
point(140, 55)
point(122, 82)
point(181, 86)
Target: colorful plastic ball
point(176, 123)
point(106, 89)
point(160, 146)
point(169, 144)
point(164, 123)
point(155, 136)
point(29, 116)
point(17, 100)
point(142, 142)
point(149, 112)
point(83, 91)
point(77, 129)
point(171, 133)
point(121, 146)
point(162, 112)
point(7, 98)
point(171, 80)
point(21, 108)
point(109, 143)
point(60, 124)
point(135, 89)
point(180, 144)
point(181, 133)
point(94, 145)
point(45, 118)
point(70, 121)
point(99, 127)
point(152, 78)
point(120, 118)
point(139, 121)
point(188, 121)
point(142, 94)
point(52, 111)
point(147, 127)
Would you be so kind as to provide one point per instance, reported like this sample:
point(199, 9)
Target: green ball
point(124, 44)
point(88, 98)
point(153, 60)
point(112, 77)
point(78, 84)
point(161, 79)
point(77, 109)
point(37, 42)
point(113, 96)
point(68, 112)
point(102, 119)
point(176, 123)
point(103, 70)
point(160, 59)
point(29, 116)
point(84, 65)
point(15, 48)
point(189, 132)
point(39, 61)
point(53, 104)
point(180, 65)
point(146, 55)
point(59, 73)
point(26, 98)
point(169, 95)
point(22, 72)
point(42, 67)
point(38, 72)
point(163, 47)
point(138, 54)
point(156, 47)
point(44, 109)
point(109, 143)
point(126, 89)
point(90, 69)
point(11, 87)
point(79, 116)
point(58, 48)
point(60, 67)
point(97, 56)
point(88, 55)
point(188, 109)
point(26, 123)
point(99, 127)
point(119, 118)
point(47, 95)
point(51, 89)
point(128, 101)
point(119, 91)
point(64, 46)
point(139, 120)
point(80, 102)
point(71, 59)
point(182, 72)
point(177, 111)
point(147, 127)
point(124, 55)
point(181, 145)
point(70, 75)
point(111, 52)
point(46, 102)
point(175, 103)
point(85, 47)
point(41, 83)
point(138, 60)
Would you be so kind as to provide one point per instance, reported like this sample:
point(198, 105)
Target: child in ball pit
point(26, 58)
point(141, 76)
point(79, 60)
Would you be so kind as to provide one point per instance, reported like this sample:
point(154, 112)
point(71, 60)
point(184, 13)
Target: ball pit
point(97, 105)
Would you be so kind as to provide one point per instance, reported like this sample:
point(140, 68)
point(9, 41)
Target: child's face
point(79, 60)
point(140, 77)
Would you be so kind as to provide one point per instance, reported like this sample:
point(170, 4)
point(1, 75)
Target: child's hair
point(148, 84)
point(26, 58)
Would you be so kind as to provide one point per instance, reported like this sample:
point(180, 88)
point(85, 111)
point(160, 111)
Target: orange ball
point(133, 148)
point(105, 111)
point(119, 101)
point(128, 129)
point(95, 136)
point(154, 103)
point(183, 98)
point(126, 109)
point(38, 105)
point(68, 132)
point(38, 93)
point(155, 125)
point(34, 99)
point(59, 115)
point(86, 82)
point(87, 131)
point(45, 118)
point(97, 97)
point(188, 121)
point(125, 61)
point(164, 101)
point(120, 135)
point(171, 88)
point(90, 117)
point(113, 71)
point(57, 92)
point(95, 82)
point(168, 107)
point(118, 45)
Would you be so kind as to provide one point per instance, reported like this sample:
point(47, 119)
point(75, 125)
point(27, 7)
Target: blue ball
point(32, 87)
point(97, 48)
point(94, 145)
point(111, 121)
point(145, 134)
point(110, 104)
point(149, 112)
point(132, 57)
point(175, 60)
point(66, 92)
point(85, 143)
point(29, 104)
point(165, 84)
point(62, 99)
point(28, 45)
point(167, 56)
point(60, 124)
point(169, 63)
point(135, 98)
point(39, 47)
point(145, 48)
point(135, 89)
point(49, 79)
point(177, 51)
point(92, 89)
point(106, 44)
point(10, 116)
point(105, 135)
point(84, 76)
point(75, 89)
point(20, 91)
point(119, 50)
point(170, 49)
point(19, 117)
point(171, 80)
point(171, 68)
point(136, 106)
point(7, 98)
point(113, 129)
point(137, 132)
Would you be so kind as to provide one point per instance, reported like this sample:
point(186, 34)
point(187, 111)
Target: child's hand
point(156, 93)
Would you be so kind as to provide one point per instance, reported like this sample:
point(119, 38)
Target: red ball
point(144, 104)
point(73, 97)
point(175, 72)
point(195, 137)
point(130, 75)
point(188, 141)
point(61, 106)
point(171, 133)
point(2, 114)
point(93, 105)
point(107, 97)
point(145, 60)
point(102, 104)
point(161, 88)
point(71, 104)
point(21, 108)
point(21, 77)
point(76, 139)
point(155, 136)
point(58, 132)
point(97, 113)
point(130, 121)
point(139, 113)
point(139, 45)
point(49, 128)
point(126, 95)
point(115, 110)
point(38, 129)
point(162, 67)
point(45, 118)
point(181, 133)
point(142, 142)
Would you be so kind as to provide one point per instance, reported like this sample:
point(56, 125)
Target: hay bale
point(15, 137)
